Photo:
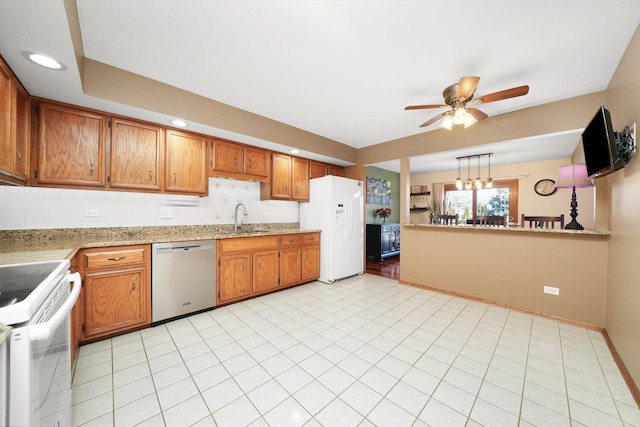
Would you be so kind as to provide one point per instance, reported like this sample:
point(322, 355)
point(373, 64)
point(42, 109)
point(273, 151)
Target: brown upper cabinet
point(335, 170)
point(74, 145)
point(289, 179)
point(300, 179)
point(280, 187)
point(226, 156)
point(14, 129)
point(185, 170)
point(71, 147)
point(256, 162)
point(135, 155)
point(317, 169)
point(228, 159)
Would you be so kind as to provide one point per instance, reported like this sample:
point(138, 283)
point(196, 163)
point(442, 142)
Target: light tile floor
point(365, 351)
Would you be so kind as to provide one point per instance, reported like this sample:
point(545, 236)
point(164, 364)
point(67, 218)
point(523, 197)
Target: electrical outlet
point(92, 212)
point(166, 213)
point(551, 290)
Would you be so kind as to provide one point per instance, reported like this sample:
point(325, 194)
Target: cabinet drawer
point(290, 240)
point(116, 258)
point(244, 244)
point(310, 238)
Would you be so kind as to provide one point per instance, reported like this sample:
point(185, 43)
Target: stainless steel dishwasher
point(183, 278)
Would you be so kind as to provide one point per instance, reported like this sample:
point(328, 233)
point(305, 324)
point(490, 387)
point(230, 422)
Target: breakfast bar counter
point(512, 266)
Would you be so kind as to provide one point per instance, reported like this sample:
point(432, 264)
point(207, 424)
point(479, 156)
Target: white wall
point(33, 207)
point(529, 202)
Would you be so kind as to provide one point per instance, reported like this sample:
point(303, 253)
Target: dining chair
point(491, 220)
point(444, 219)
point(542, 221)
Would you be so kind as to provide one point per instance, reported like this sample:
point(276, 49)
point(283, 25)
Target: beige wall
point(529, 202)
point(511, 267)
point(623, 287)
point(568, 114)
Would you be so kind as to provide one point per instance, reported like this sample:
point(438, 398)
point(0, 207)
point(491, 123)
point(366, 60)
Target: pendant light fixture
point(489, 180)
point(477, 184)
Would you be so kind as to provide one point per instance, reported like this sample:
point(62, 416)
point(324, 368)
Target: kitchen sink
point(250, 231)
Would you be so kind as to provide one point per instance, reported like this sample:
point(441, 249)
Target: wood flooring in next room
point(389, 267)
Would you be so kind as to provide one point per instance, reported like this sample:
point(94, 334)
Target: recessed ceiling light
point(178, 122)
point(44, 60)
point(294, 151)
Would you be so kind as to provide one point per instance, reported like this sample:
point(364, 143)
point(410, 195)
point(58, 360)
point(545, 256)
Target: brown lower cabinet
point(117, 290)
point(116, 281)
point(251, 266)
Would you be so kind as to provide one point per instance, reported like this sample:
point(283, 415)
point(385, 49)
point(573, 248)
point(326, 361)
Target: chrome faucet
point(235, 216)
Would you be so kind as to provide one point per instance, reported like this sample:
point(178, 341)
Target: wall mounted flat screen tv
point(599, 144)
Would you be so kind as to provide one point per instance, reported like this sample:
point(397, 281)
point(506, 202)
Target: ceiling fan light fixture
point(447, 122)
point(469, 120)
point(460, 116)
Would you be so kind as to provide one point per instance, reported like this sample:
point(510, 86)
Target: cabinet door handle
point(244, 265)
point(133, 283)
point(90, 169)
point(235, 161)
point(117, 258)
point(18, 155)
point(150, 175)
point(175, 177)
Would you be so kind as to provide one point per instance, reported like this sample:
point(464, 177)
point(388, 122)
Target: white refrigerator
point(336, 207)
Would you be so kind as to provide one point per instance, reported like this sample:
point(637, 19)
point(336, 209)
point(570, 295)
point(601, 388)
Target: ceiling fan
point(458, 96)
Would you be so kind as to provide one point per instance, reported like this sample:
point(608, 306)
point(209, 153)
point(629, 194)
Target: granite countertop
point(21, 246)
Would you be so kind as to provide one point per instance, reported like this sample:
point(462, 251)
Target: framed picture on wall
point(378, 191)
point(415, 189)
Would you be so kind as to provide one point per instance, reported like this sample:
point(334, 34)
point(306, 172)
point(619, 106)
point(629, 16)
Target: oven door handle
point(42, 331)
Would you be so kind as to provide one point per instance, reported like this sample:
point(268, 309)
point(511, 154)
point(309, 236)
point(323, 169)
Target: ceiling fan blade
point(424, 107)
point(467, 86)
point(477, 114)
point(433, 120)
point(503, 94)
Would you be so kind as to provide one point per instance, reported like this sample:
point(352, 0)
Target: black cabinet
point(383, 240)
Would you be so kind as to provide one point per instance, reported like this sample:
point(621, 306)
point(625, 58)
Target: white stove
point(35, 360)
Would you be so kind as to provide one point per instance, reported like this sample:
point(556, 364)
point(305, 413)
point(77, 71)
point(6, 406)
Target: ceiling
point(340, 69)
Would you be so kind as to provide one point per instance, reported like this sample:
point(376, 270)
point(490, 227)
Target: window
point(502, 199)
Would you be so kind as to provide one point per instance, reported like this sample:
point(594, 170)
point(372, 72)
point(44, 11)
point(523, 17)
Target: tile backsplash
point(35, 207)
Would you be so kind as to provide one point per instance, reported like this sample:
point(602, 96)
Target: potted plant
point(383, 213)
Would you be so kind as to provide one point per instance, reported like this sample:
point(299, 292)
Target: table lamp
point(573, 176)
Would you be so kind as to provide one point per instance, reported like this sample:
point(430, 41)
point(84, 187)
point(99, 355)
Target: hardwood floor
point(389, 267)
